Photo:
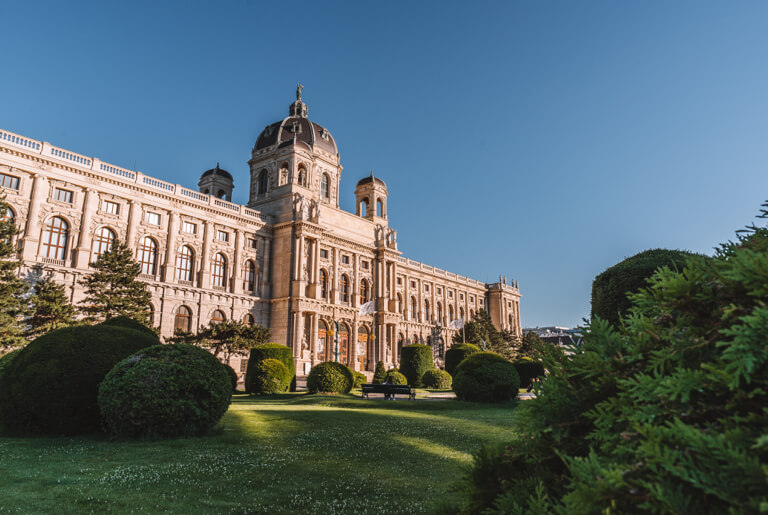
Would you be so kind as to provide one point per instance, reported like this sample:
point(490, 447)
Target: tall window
point(184, 263)
point(219, 271)
point(55, 236)
point(379, 209)
point(183, 319)
point(218, 317)
point(325, 186)
point(103, 241)
point(302, 176)
point(439, 313)
point(344, 288)
point(427, 317)
point(450, 313)
point(148, 255)
point(263, 181)
point(414, 308)
point(364, 291)
point(323, 283)
point(249, 276)
point(400, 304)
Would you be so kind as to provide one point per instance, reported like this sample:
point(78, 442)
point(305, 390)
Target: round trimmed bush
point(457, 354)
point(7, 359)
point(330, 377)
point(486, 377)
point(414, 361)
point(270, 376)
point(397, 377)
point(232, 376)
point(527, 369)
point(51, 385)
point(379, 373)
point(130, 323)
point(360, 379)
point(273, 351)
point(438, 379)
point(165, 390)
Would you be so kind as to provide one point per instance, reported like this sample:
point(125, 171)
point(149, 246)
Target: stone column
point(31, 236)
point(170, 245)
point(134, 212)
point(316, 263)
point(203, 279)
point(237, 279)
point(313, 338)
point(84, 245)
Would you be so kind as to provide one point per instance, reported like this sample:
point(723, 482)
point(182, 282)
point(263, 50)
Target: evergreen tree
point(528, 344)
point(13, 304)
point(480, 331)
point(225, 338)
point(380, 374)
point(50, 307)
point(113, 290)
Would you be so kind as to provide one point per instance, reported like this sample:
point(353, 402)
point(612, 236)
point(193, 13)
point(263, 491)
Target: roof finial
point(217, 165)
point(371, 174)
point(299, 87)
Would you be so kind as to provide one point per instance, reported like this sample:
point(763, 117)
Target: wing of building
point(290, 259)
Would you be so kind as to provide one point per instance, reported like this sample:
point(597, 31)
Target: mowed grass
point(281, 454)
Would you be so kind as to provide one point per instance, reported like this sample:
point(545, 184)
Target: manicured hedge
point(273, 351)
point(456, 355)
point(360, 379)
point(330, 377)
point(232, 376)
point(7, 359)
point(51, 385)
point(610, 288)
point(438, 379)
point(397, 377)
point(270, 376)
point(486, 377)
point(414, 361)
point(130, 323)
point(165, 390)
point(379, 373)
point(527, 369)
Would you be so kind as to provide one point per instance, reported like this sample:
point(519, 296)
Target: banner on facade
point(367, 308)
point(456, 324)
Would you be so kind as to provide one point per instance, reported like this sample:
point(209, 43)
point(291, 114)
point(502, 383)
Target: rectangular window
point(189, 227)
point(481, 302)
point(252, 243)
point(426, 287)
point(450, 294)
point(461, 296)
point(9, 181)
point(153, 218)
point(62, 195)
point(243, 366)
point(400, 281)
point(113, 208)
point(323, 254)
point(439, 291)
point(222, 235)
point(365, 265)
point(413, 284)
point(345, 259)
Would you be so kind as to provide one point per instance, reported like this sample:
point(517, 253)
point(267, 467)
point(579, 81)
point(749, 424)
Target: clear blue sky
point(540, 140)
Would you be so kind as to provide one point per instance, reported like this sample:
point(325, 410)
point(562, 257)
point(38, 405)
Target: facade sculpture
point(290, 259)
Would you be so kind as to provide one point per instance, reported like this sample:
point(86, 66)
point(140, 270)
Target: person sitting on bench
point(388, 396)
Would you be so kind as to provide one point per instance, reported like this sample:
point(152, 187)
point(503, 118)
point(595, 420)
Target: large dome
point(297, 129)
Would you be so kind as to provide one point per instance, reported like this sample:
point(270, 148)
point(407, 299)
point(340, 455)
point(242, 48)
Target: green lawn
point(281, 454)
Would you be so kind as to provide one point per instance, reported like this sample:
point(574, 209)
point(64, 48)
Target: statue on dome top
point(299, 87)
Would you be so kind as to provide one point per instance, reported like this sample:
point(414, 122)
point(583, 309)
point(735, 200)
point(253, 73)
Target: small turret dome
point(371, 179)
point(217, 171)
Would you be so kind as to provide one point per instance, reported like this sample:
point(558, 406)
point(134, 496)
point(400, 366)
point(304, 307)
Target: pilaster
point(31, 237)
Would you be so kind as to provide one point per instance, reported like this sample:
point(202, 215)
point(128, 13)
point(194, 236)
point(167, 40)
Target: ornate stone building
point(290, 259)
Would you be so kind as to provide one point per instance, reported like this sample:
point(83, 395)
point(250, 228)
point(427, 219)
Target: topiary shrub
point(232, 376)
point(397, 377)
point(456, 355)
point(527, 369)
point(330, 377)
point(163, 391)
point(50, 386)
point(273, 351)
point(414, 361)
point(270, 376)
point(130, 323)
point(360, 379)
point(379, 373)
point(7, 358)
point(438, 379)
point(486, 377)
point(611, 287)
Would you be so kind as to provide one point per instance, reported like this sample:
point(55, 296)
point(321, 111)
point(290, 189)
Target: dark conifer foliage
point(13, 304)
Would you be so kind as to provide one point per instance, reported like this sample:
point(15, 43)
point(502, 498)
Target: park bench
point(391, 389)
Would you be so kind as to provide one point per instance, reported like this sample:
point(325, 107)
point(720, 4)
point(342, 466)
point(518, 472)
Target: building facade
point(330, 284)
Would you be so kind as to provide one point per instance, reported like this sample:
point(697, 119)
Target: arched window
point(148, 255)
point(325, 186)
point(364, 291)
point(344, 288)
point(263, 182)
point(427, 313)
point(221, 193)
point(218, 317)
point(102, 242)
point(414, 308)
point(379, 208)
point(364, 207)
point(55, 237)
point(185, 260)
point(323, 283)
point(249, 276)
point(219, 271)
point(248, 320)
point(439, 313)
point(8, 216)
point(302, 177)
point(183, 319)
